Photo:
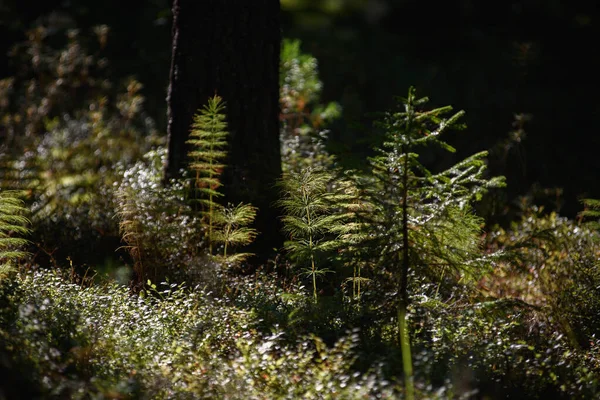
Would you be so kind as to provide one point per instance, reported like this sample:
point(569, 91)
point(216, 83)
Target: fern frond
point(131, 230)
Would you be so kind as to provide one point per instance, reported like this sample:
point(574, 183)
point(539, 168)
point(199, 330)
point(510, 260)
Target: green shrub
point(502, 348)
point(303, 118)
point(159, 227)
point(68, 132)
point(553, 264)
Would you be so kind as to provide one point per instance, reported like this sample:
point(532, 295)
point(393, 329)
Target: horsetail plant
point(232, 230)
point(311, 219)
point(226, 226)
point(13, 226)
point(591, 213)
point(208, 138)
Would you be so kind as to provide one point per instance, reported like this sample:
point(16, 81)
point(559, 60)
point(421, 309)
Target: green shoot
point(208, 138)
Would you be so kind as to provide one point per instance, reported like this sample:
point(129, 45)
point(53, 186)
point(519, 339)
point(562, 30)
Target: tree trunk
point(231, 48)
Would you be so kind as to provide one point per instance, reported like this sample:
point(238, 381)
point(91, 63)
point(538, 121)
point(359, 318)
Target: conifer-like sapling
point(420, 221)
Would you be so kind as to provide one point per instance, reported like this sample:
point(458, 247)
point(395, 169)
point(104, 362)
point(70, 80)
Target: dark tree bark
point(231, 48)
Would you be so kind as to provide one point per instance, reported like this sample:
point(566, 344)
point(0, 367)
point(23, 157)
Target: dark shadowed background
point(524, 71)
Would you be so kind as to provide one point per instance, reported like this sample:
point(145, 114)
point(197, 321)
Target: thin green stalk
point(314, 278)
point(356, 281)
point(310, 247)
point(407, 364)
point(437, 290)
point(227, 233)
point(210, 218)
point(403, 330)
point(354, 285)
point(359, 281)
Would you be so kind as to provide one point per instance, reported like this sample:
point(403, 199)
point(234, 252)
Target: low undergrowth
point(171, 342)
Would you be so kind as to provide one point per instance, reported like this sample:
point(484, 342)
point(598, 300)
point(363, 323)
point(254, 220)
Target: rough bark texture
point(231, 48)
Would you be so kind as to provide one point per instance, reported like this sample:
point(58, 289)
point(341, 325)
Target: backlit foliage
point(66, 134)
point(313, 224)
point(225, 226)
point(13, 229)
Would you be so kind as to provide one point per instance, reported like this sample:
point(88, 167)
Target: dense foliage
point(390, 285)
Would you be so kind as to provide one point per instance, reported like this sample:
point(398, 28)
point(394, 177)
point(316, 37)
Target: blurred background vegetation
point(523, 70)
